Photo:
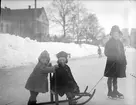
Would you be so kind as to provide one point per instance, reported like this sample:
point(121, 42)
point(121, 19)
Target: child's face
point(115, 35)
point(62, 61)
point(44, 61)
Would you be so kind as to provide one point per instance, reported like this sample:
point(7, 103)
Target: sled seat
point(54, 97)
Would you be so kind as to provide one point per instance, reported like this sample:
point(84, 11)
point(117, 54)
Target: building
point(133, 37)
point(28, 22)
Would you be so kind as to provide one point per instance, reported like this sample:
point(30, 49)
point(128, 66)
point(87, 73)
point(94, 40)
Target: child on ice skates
point(63, 79)
point(37, 81)
point(116, 62)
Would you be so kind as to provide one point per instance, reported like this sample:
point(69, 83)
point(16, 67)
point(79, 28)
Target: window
point(1, 27)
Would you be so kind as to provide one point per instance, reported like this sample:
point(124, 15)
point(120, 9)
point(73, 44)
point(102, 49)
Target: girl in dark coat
point(116, 62)
point(38, 79)
point(63, 78)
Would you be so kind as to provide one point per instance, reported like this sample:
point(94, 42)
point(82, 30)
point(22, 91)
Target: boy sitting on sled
point(63, 79)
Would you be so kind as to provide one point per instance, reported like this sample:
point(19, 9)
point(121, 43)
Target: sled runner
point(77, 97)
point(133, 75)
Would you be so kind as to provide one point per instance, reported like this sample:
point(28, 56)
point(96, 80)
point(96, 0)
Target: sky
point(109, 12)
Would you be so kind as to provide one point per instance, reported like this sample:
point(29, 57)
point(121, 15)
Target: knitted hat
point(44, 55)
point(62, 54)
point(115, 28)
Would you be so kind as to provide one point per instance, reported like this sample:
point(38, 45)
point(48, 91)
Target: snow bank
point(129, 49)
point(17, 51)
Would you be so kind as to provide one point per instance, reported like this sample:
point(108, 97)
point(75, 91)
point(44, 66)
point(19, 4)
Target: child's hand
point(50, 65)
point(56, 66)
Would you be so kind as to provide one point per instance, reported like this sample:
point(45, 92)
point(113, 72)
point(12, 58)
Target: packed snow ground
point(17, 51)
point(87, 71)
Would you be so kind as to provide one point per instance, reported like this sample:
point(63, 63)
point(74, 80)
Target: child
point(63, 78)
point(38, 82)
point(99, 52)
point(116, 62)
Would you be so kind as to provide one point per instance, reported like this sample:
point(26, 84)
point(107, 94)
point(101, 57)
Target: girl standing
point(38, 81)
point(116, 62)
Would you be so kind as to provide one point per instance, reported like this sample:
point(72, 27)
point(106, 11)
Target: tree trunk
point(86, 40)
point(64, 26)
point(64, 31)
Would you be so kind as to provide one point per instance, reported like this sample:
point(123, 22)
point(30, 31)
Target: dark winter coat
point(38, 80)
point(64, 81)
point(116, 59)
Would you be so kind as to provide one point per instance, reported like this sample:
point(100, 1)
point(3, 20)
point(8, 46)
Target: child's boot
point(31, 103)
point(109, 84)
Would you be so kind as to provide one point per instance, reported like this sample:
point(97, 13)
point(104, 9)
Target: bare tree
point(59, 12)
point(84, 25)
point(75, 19)
point(91, 27)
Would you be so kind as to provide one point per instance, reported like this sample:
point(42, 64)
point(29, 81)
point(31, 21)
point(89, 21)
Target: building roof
point(20, 14)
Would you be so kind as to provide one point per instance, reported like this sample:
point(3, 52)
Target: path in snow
point(86, 71)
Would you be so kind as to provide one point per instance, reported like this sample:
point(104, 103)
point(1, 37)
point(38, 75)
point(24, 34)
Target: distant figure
point(38, 79)
point(99, 52)
point(63, 79)
point(69, 55)
point(116, 62)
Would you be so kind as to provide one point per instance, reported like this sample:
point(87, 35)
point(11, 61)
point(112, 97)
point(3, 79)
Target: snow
point(128, 49)
point(17, 51)
point(87, 71)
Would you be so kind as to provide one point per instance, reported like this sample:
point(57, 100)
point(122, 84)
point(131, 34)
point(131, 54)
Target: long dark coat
point(38, 79)
point(116, 59)
point(64, 81)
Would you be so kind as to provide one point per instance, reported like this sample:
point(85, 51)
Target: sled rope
point(133, 75)
point(102, 78)
point(96, 83)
